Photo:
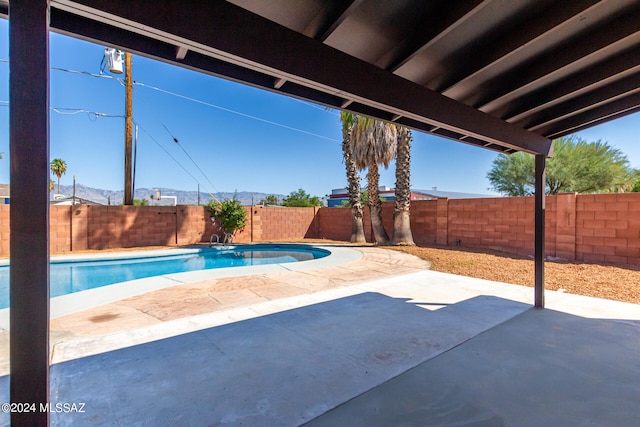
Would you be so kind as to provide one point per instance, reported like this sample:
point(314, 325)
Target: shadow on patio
point(368, 359)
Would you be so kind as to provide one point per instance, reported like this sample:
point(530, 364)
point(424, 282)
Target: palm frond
point(374, 141)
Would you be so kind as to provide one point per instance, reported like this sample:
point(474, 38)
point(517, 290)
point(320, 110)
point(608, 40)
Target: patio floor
point(414, 347)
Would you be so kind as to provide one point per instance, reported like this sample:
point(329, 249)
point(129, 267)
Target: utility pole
point(128, 131)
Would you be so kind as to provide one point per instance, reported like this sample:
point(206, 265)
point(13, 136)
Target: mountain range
point(112, 197)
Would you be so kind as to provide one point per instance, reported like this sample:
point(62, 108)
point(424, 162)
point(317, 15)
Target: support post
point(128, 130)
point(29, 229)
point(540, 187)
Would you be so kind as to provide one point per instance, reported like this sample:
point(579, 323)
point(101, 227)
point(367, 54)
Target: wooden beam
point(181, 52)
point(323, 25)
point(586, 49)
point(584, 81)
point(486, 53)
point(598, 115)
point(442, 23)
point(29, 209)
point(582, 103)
point(213, 30)
point(540, 204)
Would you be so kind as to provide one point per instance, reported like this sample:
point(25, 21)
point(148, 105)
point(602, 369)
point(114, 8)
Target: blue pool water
point(76, 276)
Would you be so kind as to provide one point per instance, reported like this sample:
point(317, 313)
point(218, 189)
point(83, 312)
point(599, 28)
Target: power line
point(169, 154)
point(189, 156)
point(317, 107)
point(72, 111)
point(208, 104)
point(86, 73)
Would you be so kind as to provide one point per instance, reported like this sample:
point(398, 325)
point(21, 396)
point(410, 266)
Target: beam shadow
point(280, 369)
point(541, 368)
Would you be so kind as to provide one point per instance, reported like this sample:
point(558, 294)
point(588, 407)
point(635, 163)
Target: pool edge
point(78, 301)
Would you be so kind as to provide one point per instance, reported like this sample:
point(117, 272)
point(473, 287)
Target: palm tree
point(52, 185)
point(374, 143)
point(353, 179)
point(401, 220)
point(59, 168)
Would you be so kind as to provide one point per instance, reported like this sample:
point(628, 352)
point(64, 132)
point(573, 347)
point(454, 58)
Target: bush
point(230, 213)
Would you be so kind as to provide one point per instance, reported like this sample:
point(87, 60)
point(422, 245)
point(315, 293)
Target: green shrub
point(230, 213)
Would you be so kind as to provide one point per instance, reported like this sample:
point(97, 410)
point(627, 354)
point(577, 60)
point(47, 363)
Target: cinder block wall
point(280, 223)
point(608, 228)
point(60, 229)
point(597, 228)
point(4, 230)
point(504, 224)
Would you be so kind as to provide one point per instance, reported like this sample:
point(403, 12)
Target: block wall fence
point(594, 228)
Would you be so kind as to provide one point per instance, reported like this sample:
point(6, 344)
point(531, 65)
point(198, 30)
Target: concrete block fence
point(594, 228)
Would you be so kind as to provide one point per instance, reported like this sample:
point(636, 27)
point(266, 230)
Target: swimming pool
point(68, 277)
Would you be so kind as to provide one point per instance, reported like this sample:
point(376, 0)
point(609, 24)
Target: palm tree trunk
point(58, 185)
point(375, 206)
point(357, 229)
point(401, 220)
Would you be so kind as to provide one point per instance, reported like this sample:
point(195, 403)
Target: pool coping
point(78, 301)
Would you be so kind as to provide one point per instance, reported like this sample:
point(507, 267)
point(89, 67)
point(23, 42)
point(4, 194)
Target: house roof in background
point(502, 75)
point(451, 194)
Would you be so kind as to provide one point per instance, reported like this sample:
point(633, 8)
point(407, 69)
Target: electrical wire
point(228, 110)
point(208, 104)
point(86, 73)
point(172, 157)
point(69, 111)
point(189, 156)
point(327, 110)
point(74, 111)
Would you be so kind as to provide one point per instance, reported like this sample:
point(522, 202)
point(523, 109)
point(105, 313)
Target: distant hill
point(184, 197)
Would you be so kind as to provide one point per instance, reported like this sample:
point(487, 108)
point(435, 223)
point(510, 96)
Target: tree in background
point(140, 202)
point(577, 166)
point(353, 179)
point(300, 199)
point(374, 144)
point(231, 214)
point(401, 218)
point(58, 168)
point(52, 185)
point(269, 200)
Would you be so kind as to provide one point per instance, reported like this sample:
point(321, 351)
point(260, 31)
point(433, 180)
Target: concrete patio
point(374, 342)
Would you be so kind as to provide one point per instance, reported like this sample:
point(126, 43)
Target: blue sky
point(245, 139)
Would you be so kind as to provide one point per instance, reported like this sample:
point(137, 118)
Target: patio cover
point(504, 75)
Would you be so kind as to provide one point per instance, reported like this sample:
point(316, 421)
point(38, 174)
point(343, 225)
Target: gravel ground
point(615, 282)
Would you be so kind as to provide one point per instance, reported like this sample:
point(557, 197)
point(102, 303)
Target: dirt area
point(615, 282)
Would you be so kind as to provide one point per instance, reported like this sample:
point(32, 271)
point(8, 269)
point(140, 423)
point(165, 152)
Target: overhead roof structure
point(506, 75)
